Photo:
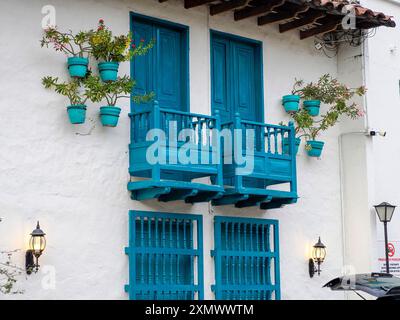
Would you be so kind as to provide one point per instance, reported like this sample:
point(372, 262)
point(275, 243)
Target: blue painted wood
point(244, 77)
point(236, 77)
point(245, 260)
point(172, 180)
point(165, 262)
point(272, 166)
point(165, 69)
point(237, 81)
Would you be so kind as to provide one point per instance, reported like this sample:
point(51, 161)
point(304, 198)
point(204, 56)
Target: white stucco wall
point(75, 184)
point(384, 112)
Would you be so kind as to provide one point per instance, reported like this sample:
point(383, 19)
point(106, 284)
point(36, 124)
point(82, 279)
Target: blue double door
point(236, 70)
point(236, 77)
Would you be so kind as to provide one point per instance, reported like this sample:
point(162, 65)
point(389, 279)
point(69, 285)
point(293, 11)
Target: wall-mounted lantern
point(385, 213)
point(37, 244)
point(318, 257)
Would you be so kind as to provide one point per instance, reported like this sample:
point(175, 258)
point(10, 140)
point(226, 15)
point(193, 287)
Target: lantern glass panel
point(319, 254)
point(385, 211)
point(38, 244)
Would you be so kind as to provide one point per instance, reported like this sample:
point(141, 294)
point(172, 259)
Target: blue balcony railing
point(193, 167)
point(170, 176)
point(272, 165)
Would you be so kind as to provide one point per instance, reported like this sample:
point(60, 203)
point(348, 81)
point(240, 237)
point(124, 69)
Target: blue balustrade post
point(156, 174)
point(220, 178)
point(237, 125)
point(292, 152)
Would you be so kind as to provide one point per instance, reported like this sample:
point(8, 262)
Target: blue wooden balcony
point(173, 179)
point(272, 183)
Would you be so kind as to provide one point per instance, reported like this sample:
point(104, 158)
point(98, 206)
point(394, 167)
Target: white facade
point(73, 178)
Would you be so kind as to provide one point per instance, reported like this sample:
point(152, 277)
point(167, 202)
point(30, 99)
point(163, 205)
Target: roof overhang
point(310, 17)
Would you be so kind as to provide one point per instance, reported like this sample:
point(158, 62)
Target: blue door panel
point(220, 78)
point(244, 76)
point(169, 60)
point(142, 66)
point(164, 69)
point(235, 73)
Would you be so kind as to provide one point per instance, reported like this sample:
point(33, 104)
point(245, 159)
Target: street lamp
point(385, 214)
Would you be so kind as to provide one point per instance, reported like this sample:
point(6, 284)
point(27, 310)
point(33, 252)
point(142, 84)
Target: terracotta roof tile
point(360, 11)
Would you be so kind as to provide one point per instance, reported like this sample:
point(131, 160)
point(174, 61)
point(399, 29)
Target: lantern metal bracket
point(29, 262)
point(312, 269)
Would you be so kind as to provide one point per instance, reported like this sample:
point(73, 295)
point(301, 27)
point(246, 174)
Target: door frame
point(259, 81)
point(184, 30)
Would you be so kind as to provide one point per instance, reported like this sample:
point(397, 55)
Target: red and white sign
point(394, 257)
point(391, 249)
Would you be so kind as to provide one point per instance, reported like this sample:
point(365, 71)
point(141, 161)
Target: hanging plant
point(74, 92)
point(327, 90)
point(110, 50)
point(302, 120)
point(311, 94)
point(111, 92)
point(291, 101)
point(337, 96)
point(76, 46)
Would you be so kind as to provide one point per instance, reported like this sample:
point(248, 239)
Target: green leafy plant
point(336, 95)
point(76, 45)
point(8, 273)
point(327, 89)
point(71, 89)
point(96, 90)
point(107, 47)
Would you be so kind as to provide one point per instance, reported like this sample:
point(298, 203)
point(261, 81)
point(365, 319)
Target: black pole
point(386, 247)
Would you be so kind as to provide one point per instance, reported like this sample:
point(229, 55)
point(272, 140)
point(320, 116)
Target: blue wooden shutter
point(165, 256)
point(244, 89)
point(246, 258)
point(143, 67)
point(236, 78)
point(164, 70)
point(221, 78)
point(168, 92)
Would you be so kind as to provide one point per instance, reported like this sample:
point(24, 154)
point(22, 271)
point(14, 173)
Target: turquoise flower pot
point(315, 148)
point(77, 113)
point(109, 116)
point(78, 66)
point(312, 106)
point(285, 147)
point(291, 102)
point(108, 71)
